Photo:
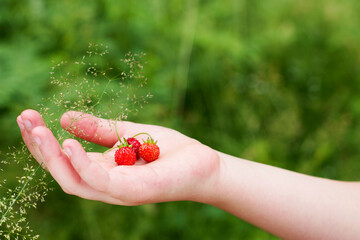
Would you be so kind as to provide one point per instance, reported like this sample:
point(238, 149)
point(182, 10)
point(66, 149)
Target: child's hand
point(185, 170)
point(287, 204)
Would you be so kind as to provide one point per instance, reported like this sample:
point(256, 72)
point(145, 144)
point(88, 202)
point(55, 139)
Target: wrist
point(224, 190)
point(208, 189)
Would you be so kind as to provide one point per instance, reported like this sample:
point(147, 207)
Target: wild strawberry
point(135, 144)
point(149, 151)
point(125, 155)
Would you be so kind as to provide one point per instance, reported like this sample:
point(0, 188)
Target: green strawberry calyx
point(123, 143)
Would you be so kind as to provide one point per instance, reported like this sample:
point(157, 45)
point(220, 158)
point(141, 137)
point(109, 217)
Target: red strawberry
point(149, 151)
point(125, 156)
point(135, 144)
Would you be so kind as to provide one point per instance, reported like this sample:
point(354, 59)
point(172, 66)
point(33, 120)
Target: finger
point(89, 171)
point(54, 158)
point(98, 130)
point(32, 119)
point(29, 142)
point(90, 128)
point(27, 121)
point(61, 169)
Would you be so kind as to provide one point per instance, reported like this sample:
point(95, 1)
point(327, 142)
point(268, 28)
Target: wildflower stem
point(18, 195)
point(103, 92)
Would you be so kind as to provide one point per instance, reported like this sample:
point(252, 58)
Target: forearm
point(285, 203)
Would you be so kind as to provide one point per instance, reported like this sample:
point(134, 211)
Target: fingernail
point(37, 141)
point(28, 124)
point(21, 126)
point(68, 151)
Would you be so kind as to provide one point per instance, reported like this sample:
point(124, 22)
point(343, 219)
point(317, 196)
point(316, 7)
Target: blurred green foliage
point(275, 82)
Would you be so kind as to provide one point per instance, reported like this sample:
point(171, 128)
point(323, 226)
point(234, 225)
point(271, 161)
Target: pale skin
point(287, 204)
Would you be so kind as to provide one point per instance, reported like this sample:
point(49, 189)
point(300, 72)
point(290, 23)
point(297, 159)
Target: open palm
point(184, 171)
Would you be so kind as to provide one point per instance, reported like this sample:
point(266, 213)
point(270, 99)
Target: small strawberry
point(135, 144)
point(125, 155)
point(149, 151)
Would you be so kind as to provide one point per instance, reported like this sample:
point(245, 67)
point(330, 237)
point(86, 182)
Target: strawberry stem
point(110, 149)
point(117, 133)
point(123, 143)
point(142, 133)
point(118, 146)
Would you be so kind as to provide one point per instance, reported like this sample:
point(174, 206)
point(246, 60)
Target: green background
point(271, 81)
